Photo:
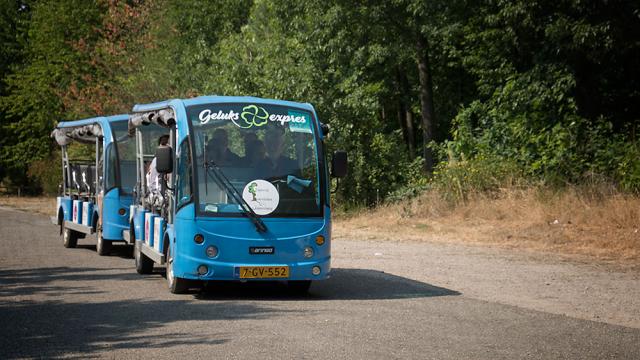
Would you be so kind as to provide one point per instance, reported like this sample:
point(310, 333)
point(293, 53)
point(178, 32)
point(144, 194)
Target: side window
point(183, 174)
point(111, 161)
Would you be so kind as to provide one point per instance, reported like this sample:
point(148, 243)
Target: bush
point(456, 180)
point(377, 168)
point(47, 173)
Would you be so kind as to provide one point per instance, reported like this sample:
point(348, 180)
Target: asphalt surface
point(72, 303)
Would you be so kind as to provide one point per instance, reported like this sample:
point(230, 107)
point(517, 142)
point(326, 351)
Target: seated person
point(257, 154)
point(249, 139)
point(153, 183)
point(218, 151)
point(279, 164)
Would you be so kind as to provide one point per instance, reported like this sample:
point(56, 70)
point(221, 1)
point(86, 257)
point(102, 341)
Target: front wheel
point(69, 238)
point(104, 246)
point(176, 285)
point(144, 265)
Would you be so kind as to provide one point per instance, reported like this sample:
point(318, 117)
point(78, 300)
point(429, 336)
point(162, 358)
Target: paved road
point(57, 302)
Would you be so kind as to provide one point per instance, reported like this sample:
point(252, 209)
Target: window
point(183, 174)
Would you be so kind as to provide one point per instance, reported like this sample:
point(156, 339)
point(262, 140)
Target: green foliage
point(379, 169)
point(540, 69)
point(456, 180)
point(536, 90)
point(34, 103)
point(46, 174)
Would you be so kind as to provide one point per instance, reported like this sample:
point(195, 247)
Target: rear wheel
point(176, 285)
point(104, 246)
point(298, 287)
point(69, 238)
point(144, 265)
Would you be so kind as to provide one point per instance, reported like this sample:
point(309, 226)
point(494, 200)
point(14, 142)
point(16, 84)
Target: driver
point(218, 150)
point(279, 164)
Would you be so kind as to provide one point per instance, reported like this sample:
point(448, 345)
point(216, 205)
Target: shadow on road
point(120, 250)
point(55, 325)
point(344, 284)
point(37, 281)
point(51, 328)
point(40, 317)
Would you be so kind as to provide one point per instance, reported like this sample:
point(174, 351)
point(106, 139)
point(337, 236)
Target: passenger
point(153, 182)
point(280, 165)
point(218, 150)
point(257, 155)
point(249, 140)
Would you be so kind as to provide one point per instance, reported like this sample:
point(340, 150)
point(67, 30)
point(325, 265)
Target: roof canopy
point(83, 133)
point(165, 118)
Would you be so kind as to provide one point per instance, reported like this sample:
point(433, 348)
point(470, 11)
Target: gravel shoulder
point(600, 292)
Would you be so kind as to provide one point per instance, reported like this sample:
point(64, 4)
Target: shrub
point(47, 173)
point(456, 180)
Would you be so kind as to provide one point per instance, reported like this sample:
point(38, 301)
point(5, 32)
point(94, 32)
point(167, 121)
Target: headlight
point(315, 270)
point(202, 270)
point(199, 239)
point(212, 251)
point(308, 252)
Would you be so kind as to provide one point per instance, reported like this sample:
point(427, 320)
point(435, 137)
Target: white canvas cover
point(85, 133)
point(164, 118)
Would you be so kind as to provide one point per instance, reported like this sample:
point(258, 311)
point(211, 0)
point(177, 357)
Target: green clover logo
point(253, 115)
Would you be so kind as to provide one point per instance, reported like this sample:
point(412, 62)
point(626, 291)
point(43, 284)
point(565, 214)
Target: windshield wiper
point(224, 182)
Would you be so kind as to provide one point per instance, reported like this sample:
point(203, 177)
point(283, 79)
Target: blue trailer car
point(95, 194)
point(243, 192)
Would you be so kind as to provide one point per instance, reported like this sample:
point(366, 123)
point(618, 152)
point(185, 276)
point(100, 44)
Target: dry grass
point(596, 223)
point(42, 205)
point(599, 224)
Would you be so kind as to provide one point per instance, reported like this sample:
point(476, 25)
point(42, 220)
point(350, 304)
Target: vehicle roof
point(99, 119)
point(219, 99)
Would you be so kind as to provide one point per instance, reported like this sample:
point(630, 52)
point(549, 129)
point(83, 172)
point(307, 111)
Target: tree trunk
point(405, 94)
point(410, 134)
point(426, 100)
point(402, 122)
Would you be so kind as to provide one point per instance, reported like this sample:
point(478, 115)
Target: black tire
point(104, 246)
point(131, 252)
point(132, 241)
point(298, 287)
point(69, 238)
point(176, 285)
point(61, 221)
point(144, 265)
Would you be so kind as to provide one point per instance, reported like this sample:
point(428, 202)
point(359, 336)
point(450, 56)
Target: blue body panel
point(65, 206)
point(138, 223)
point(233, 236)
point(112, 222)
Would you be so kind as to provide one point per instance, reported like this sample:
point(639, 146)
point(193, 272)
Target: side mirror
point(325, 129)
point(164, 160)
point(339, 164)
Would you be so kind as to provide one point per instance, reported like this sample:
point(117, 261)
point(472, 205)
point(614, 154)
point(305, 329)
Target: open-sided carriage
point(97, 188)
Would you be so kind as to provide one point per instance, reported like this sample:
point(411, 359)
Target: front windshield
point(125, 158)
point(267, 152)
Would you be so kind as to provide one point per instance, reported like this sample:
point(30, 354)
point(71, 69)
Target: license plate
point(263, 272)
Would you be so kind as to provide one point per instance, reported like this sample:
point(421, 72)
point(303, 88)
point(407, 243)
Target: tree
point(33, 103)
